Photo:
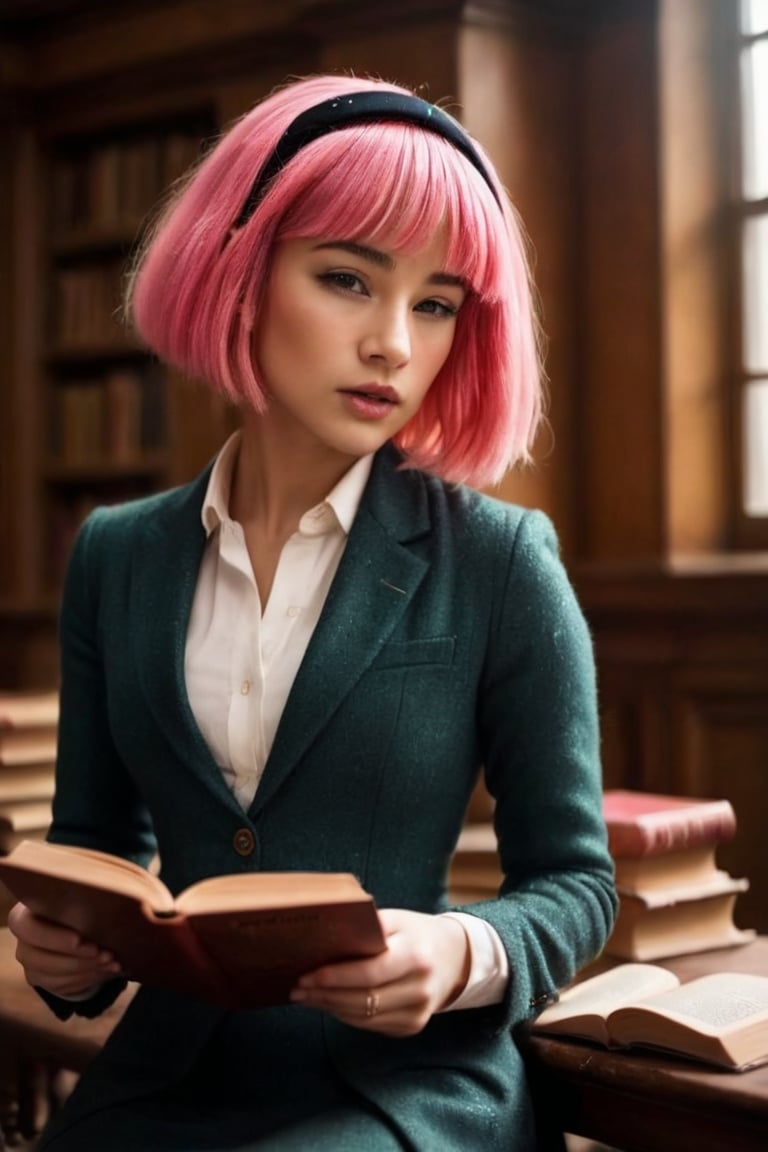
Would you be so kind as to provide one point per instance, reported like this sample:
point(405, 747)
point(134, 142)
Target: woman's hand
point(425, 966)
point(56, 958)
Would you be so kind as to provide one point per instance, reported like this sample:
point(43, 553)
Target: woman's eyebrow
point(384, 260)
point(372, 255)
point(448, 278)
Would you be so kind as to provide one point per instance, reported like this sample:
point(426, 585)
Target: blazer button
point(243, 842)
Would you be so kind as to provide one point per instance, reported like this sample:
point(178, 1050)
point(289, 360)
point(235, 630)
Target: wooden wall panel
point(723, 751)
point(683, 672)
point(21, 401)
point(620, 392)
point(7, 470)
point(125, 39)
point(693, 190)
point(517, 96)
point(634, 737)
point(424, 57)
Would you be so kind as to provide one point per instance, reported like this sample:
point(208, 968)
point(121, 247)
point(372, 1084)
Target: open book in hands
point(241, 940)
point(721, 1019)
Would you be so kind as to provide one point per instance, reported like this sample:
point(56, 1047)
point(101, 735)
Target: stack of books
point(28, 728)
point(673, 898)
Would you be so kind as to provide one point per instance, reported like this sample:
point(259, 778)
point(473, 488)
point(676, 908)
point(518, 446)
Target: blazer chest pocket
point(437, 651)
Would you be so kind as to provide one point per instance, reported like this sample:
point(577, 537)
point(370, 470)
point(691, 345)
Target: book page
point(714, 1004)
point(600, 994)
point(251, 890)
point(39, 863)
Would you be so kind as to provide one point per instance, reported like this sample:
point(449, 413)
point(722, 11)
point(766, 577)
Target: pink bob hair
point(197, 283)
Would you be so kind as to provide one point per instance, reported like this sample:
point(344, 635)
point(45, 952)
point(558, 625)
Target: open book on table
point(240, 940)
point(721, 1019)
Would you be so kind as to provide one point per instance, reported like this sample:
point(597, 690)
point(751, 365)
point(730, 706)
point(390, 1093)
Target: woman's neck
point(274, 484)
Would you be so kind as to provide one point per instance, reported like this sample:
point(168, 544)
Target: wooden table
point(645, 1102)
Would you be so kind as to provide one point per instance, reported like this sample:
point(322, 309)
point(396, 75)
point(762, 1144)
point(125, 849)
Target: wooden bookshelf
point(104, 429)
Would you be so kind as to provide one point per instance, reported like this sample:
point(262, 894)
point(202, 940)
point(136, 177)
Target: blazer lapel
point(165, 566)
point(373, 587)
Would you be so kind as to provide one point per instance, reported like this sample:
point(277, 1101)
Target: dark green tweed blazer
point(450, 639)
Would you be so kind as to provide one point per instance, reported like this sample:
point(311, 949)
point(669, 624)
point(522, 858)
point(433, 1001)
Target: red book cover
point(649, 824)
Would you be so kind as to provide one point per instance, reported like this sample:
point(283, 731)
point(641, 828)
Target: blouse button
point(243, 842)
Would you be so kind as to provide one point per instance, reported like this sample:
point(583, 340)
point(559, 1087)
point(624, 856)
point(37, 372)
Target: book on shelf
point(28, 728)
point(98, 421)
point(28, 710)
point(140, 175)
point(123, 439)
point(154, 419)
point(106, 189)
point(721, 1019)
point(31, 746)
point(78, 410)
point(65, 517)
point(238, 940)
point(180, 151)
point(676, 921)
point(27, 782)
point(20, 820)
point(647, 824)
point(86, 307)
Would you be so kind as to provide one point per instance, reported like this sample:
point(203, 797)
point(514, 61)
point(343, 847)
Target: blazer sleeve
point(539, 734)
point(96, 802)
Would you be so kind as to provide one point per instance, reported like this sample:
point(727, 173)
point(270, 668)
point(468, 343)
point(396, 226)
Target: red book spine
point(648, 825)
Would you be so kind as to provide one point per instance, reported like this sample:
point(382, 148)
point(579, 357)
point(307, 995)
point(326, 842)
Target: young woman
point(302, 659)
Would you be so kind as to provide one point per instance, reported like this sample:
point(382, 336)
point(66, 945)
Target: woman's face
point(350, 339)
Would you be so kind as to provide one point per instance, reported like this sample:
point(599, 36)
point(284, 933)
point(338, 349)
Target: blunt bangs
point(416, 184)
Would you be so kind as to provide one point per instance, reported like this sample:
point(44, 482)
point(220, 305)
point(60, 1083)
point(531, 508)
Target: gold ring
point(371, 1004)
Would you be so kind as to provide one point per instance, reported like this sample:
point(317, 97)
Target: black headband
point(359, 108)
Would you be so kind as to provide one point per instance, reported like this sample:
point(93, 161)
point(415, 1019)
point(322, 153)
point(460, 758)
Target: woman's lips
point(370, 401)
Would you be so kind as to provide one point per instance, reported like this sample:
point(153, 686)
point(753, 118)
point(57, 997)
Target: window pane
point(754, 16)
point(754, 82)
point(755, 286)
point(756, 448)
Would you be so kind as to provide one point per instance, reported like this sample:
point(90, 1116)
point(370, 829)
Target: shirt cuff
point(489, 965)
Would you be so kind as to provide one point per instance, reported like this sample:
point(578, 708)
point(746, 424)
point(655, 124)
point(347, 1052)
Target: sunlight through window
point(754, 256)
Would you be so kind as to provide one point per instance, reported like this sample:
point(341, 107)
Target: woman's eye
point(439, 308)
point(347, 281)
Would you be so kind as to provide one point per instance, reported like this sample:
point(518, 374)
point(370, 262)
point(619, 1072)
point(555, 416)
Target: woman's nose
point(388, 338)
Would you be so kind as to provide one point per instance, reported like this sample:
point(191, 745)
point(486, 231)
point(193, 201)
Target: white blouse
point(240, 661)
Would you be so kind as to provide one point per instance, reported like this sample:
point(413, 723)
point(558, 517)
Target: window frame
point(748, 532)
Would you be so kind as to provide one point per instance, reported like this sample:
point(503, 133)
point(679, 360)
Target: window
point(751, 432)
